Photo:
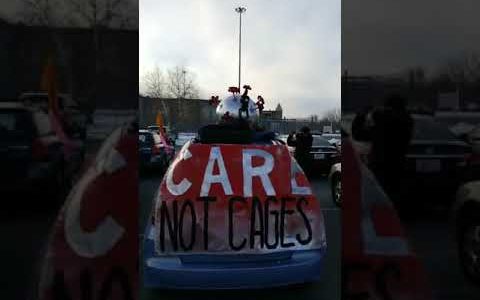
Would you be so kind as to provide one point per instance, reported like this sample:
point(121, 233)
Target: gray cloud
point(385, 36)
point(291, 50)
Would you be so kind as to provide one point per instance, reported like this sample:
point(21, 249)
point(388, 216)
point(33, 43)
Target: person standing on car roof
point(303, 146)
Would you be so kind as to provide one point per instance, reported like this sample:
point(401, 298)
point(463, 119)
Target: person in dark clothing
point(291, 139)
point(390, 138)
point(303, 145)
point(360, 128)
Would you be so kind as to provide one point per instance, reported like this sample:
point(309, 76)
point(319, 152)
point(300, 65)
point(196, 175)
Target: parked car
point(153, 153)
point(436, 162)
point(76, 118)
point(32, 157)
point(467, 229)
point(324, 155)
point(335, 179)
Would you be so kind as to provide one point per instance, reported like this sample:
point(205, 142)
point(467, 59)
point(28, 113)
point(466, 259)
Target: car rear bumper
point(170, 273)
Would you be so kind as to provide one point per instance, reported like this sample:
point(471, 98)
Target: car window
point(145, 139)
point(14, 120)
point(15, 123)
point(7, 121)
point(428, 129)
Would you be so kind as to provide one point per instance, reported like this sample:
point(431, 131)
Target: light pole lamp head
point(240, 9)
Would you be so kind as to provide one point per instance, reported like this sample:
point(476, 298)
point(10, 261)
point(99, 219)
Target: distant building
point(112, 83)
point(276, 114)
point(359, 92)
point(178, 114)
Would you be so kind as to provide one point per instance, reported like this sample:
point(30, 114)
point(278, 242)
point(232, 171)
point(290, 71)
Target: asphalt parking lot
point(327, 288)
point(432, 237)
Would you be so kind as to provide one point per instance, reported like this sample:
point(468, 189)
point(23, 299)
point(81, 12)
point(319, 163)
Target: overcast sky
point(387, 36)
point(290, 49)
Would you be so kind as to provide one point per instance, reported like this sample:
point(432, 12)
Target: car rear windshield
point(145, 139)
point(15, 122)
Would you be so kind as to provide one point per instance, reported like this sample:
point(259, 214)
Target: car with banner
point(32, 156)
point(467, 229)
point(229, 216)
point(92, 251)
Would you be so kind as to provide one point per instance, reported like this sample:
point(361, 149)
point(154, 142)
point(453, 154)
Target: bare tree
point(154, 83)
point(102, 13)
point(463, 69)
point(41, 12)
point(79, 13)
point(181, 84)
point(91, 14)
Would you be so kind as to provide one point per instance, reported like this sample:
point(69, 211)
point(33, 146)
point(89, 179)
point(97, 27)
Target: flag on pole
point(162, 133)
point(159, 120)
point(49, 84)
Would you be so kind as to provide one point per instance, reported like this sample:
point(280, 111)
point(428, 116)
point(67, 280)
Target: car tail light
point(39, 150)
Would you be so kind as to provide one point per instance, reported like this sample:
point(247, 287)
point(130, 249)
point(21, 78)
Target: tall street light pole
point(240, 10)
